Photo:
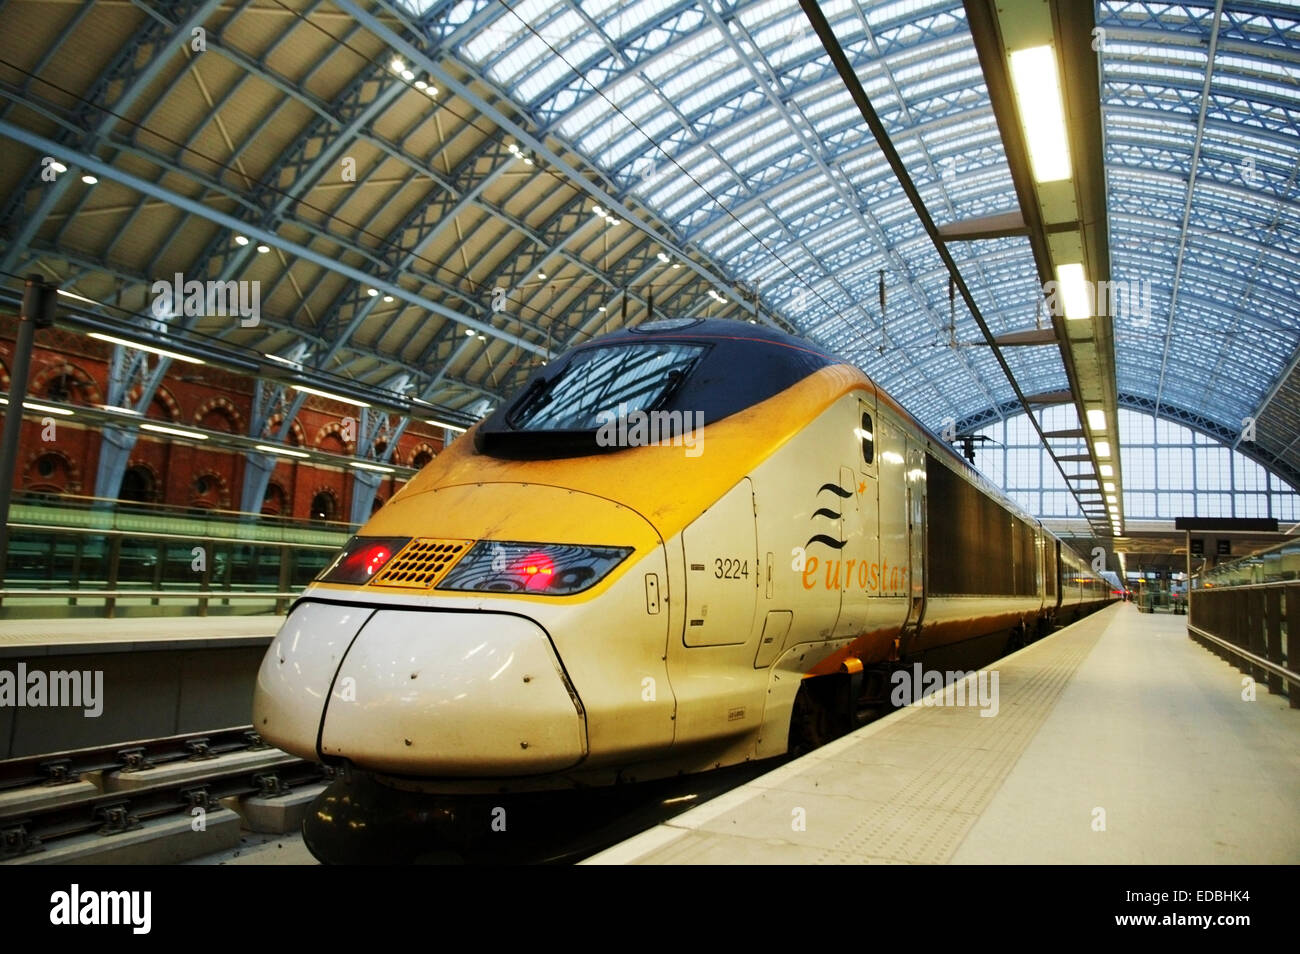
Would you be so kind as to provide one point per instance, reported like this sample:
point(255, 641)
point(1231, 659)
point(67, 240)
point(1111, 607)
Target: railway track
point(53, 800)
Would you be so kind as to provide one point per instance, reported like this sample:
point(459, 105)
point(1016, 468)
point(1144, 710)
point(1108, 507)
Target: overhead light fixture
point(1103, 448)
point(469, 332)
point(372, 292)
point(397, 64)
point(443, 424)
point(1096, 419)
point(326, 394)
point(421, 85)
point(375, 467)
point(597, 210)
point(1107, 470)
point(601, 309)
point(662, 257)
point(286, 361)
point(43, 408)
point(542, 276)
point(67, 294)
point(528, 160)
point(482, 338)
point(431, 90)
point(114, 409)
point(89, 179)
point(677, 264)
point(1042, 115)
point(388, 298)
point(241, 240)
point(174, 431)
point(58, 166)
point(408, 75)
point(263, 249)
point(144, 347)
point(1074, 290)
point(281, 451)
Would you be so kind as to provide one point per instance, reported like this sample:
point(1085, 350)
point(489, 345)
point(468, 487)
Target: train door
point(916, 531)
point(893, 590)
point(861, 537)
point(722, 571)
point(712, 665)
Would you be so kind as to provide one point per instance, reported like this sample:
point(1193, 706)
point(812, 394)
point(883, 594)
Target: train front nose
point(429, 692)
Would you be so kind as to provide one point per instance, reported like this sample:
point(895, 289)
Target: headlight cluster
point(490, 566)
point(554, 569)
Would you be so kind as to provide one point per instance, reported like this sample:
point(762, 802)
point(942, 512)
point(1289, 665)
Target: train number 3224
point(728, 569)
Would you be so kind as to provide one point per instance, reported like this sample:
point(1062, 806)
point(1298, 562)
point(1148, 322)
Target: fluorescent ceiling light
point(1102, 448)
point(68, 294)
point(43, 408)
point(1097, 419)
point(326, 394)
point(176, 431)
point(144, 347)
point(1107, 470)
point(1073, 287)
point(1042, 115)
point(113, 408)
point(375, 467)
point(281, 451)
point(450, 427)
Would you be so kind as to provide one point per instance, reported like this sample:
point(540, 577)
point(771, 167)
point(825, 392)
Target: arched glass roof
point(1202, 123)
point(726, 160)
point(731, 124)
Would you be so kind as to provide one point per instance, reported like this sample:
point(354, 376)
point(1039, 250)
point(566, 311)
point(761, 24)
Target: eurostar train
point(558, 600)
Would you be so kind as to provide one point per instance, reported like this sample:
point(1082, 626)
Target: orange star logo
point(862, 487)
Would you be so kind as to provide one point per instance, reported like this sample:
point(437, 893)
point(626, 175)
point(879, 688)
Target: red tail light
point(537, 571)
point(361, 558)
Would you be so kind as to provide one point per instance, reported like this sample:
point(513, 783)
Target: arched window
point(1167, 470)
point(276, 501)
point(324, 506)
point(138, 485)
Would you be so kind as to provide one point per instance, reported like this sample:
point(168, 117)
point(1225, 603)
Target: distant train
point(682, 546)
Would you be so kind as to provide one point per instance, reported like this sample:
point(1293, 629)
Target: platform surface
point(1117, 740)
point(29, 637)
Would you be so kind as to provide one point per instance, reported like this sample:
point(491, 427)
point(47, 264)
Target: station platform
point(54, 637)
point(1118, 740)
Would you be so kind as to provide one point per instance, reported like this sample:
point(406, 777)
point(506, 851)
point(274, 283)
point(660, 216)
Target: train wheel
point(814, 721)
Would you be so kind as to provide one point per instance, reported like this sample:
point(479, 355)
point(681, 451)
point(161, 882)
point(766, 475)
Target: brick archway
point(334, 429)
point(60, 369)
point(299, 436)
point(227, 409)
point(33, 477)
point(422, 448)
point(161, 396)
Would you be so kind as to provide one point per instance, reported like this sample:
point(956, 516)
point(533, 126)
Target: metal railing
point(1248, 611)
point(106, 560)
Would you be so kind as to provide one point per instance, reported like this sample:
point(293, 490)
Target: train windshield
point(603, 382)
